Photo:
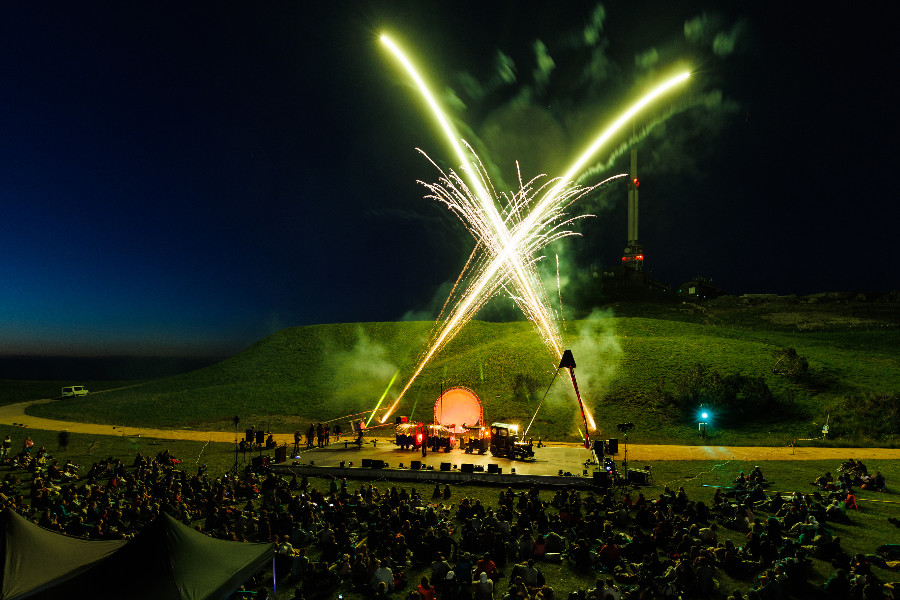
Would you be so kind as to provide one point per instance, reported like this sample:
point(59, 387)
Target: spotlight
point(705, 415)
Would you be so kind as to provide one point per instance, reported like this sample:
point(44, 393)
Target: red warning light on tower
point(636, 182)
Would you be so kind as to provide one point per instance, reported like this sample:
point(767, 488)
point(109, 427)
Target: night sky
point(184, 179)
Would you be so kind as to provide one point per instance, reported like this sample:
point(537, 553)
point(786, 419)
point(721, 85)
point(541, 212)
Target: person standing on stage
point(320, 434)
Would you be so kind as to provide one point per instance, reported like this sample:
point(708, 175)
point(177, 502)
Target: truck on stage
point(505, 442)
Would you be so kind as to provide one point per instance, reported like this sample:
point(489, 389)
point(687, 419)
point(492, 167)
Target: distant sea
point(103, 368)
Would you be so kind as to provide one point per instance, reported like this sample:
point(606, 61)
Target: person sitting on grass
point(426, 590)
point(382, 575)
point(483, 589)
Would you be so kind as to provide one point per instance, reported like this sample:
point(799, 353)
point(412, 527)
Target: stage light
point(705, 415)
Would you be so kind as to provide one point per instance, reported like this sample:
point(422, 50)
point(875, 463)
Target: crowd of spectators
point(370, 540)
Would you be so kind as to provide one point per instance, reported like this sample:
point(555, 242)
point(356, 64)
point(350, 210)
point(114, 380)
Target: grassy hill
point(326, 372)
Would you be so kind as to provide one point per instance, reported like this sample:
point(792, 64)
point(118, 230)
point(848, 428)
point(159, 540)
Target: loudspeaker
point(612, 446)
point(260, 462)
point(492, 468)
point(249, 434)
point(601, 479)
point(397, 421)
point(367, 463)
point(260, 437)
point(499, 470)
point(467, 468)
point(416, 464)
point(445, 466)
point(377, 464)
point(280, 454)
point(638, 476)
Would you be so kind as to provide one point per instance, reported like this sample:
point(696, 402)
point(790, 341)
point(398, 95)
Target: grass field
point(868, 530)
point(326, 372)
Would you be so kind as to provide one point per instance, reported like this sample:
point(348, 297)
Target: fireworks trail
point(380, 400)
point(508, 257)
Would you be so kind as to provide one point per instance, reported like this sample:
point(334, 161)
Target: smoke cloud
point(597, 353)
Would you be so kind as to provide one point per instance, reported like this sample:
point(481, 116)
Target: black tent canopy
point(35, 559)
point(167, 560)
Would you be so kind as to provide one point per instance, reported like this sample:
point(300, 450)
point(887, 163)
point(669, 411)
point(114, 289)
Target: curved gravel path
point(14, 414)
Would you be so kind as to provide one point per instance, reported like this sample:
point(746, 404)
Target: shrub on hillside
point(730, 396)
point(871, 415)
point(790, 364)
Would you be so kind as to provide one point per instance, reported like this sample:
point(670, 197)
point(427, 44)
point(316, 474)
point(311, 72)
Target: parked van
point(74, 390)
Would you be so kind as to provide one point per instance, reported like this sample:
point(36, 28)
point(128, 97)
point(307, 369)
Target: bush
point(872, 415)
point(790, 364)
point(730, 396)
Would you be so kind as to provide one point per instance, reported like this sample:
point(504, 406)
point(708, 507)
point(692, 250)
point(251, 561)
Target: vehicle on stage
point(477, 440)
point(411, 435)
point(505, 442)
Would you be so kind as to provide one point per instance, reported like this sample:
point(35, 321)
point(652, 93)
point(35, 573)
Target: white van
point(74, 390)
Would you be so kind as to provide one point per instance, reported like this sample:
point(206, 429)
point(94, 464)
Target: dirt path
point(14, 414)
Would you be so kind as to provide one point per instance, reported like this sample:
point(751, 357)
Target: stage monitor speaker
point(601, 479)
point(259, 462)
point(280, 454)
point(377, 464)
point(249, 434)
point(612, 446)
point(492, 468)
point(499, 470)
point(367, 463)
point(467, 468)
point(445, 466)
point(416, 464)
point(260, 437)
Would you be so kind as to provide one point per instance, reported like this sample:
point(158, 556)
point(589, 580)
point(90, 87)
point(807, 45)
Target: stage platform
point(543, 470)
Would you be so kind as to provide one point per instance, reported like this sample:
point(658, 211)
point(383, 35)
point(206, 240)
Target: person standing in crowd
point(4, 450)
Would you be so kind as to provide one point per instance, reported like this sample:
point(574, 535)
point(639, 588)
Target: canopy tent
point(168, 560)
point(35, 558)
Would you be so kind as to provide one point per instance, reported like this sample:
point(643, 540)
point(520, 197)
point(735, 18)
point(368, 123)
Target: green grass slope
point(326, 372)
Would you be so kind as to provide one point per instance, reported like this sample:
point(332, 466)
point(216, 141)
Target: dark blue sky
point(178, 179)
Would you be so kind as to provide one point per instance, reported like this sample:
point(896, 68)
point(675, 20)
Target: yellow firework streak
point(380, 400)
